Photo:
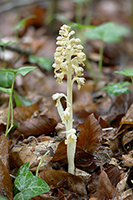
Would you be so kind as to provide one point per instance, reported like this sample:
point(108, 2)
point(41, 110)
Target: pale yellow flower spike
point(69, 60)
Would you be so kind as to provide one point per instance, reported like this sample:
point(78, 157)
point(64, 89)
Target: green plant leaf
point(116, 88)
point(23, 168)
point(4, 44)
point(23, 22)
point(76, 25)
point(108, 32)
point(25, 70)
point(7, 90)
point(6, 78)
point(43, 62)
point(3, 198)
point(23, 180)
point(126, 72)
point(21, 101)
point(30, 186)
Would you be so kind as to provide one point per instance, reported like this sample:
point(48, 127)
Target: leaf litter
point(104, 125)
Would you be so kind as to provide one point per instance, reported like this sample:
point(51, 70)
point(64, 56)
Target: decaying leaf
point(58, 178)
point(22, 113)
point(4, 151)
point(22, 154)
point(105, 190)
point(90, 133)
point(40, 124)
point(6, 187)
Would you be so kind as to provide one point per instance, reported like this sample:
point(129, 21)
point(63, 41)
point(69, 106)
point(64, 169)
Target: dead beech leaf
point(127, 121)
point(83, 160)
point(113, 173)
point(129, 113)
point(86, 161)
point(59, 178)
point(6, 187)
point(121, 194)
point(126, 141)
point(22, 113)
point(4, 149)
point(126, 195)
point(61, 153)
point(90, 133)
point(22, 154)
point(127, 160)
point(40, 124)
point(84, 102)
point(105, 190)
point(122, 184)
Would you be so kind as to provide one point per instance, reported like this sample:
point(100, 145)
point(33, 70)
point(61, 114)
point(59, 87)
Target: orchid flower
point(68, 62)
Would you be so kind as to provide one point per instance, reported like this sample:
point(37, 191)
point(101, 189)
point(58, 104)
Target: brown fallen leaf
point(22, 113)
point(113, 174)
point(59, 178)
point(127, 160)
point(4, 151)
point(22, 154)
point(36, 126)
point(105, 190)
point(90, 133)
point(6, 187)
point(83, 160)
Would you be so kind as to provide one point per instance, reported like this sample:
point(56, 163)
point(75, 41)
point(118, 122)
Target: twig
point(16, 49)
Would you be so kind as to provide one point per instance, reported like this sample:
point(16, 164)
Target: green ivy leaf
point(21, 101)
point(43, 62)
point(126, 72)
point(116, 88)
point(23, 168)
point(30, 186)
point(23, 180)
point(108, 32)
point(7, 90)
point(6, 78)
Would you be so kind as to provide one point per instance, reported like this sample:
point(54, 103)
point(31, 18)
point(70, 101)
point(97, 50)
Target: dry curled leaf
point(90, 133)
point(40, 124)
point(58, 178)
point(105, 190)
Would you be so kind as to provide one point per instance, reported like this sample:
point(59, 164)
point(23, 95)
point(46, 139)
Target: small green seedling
point(41, 161)
point(107, 32)
point(68, 61)
point(8, 80)
point(28, 185)
point(127, 72)
point(116, 88)
point(44, 63)
point(21, 101)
